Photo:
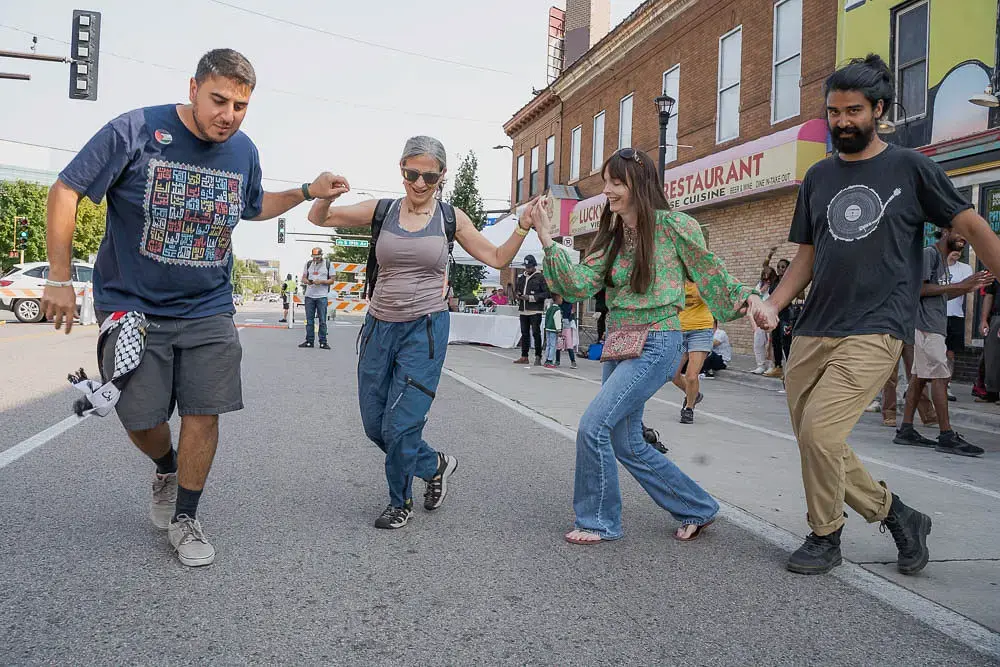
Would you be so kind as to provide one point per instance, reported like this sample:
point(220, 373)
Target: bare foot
point(582, 537)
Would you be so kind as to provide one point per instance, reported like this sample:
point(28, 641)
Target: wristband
point(58, 283)
point(305, 192)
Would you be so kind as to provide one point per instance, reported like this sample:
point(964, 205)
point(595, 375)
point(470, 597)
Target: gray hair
point(228, 64)
point(425, 146)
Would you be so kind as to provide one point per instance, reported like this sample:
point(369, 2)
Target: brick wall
point(535, 134)
point(741, 235)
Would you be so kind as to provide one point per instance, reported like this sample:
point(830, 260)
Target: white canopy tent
point(499, 232)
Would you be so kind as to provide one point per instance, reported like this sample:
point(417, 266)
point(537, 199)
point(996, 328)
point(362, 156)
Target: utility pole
point(85, 45)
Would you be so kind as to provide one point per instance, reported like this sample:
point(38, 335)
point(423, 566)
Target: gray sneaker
point(161, 509)
point(187, 537)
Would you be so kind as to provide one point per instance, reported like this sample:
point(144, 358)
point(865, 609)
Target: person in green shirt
point(642, 255)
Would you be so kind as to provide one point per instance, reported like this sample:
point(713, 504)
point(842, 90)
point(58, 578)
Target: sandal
point(584, 537)
point(697, 531)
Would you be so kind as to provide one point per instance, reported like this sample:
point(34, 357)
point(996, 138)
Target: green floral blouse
point(680, 251)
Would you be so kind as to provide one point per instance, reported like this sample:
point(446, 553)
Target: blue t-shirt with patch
point(173, 202)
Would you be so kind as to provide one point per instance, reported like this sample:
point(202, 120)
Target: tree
point(21, 199)
point(247, 277)
point(465, 195)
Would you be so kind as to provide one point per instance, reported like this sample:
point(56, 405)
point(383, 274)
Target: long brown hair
point(639, 175)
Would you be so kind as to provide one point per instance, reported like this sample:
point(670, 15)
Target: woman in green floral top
point(642, 254)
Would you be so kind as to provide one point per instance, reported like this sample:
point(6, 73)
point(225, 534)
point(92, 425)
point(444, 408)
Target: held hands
point(762, 312)
point(59, 305)
point(977, 280)
point(329, 186)
point(537, 214)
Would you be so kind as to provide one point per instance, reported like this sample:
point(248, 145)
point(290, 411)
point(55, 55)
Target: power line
point(361, 188)
point(358, 40)
point(357, 105)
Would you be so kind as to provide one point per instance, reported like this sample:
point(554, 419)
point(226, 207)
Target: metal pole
point(16, 77)
point(34, 56)
point(663, 148)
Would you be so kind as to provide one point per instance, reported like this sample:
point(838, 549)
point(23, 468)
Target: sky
point(343, 103)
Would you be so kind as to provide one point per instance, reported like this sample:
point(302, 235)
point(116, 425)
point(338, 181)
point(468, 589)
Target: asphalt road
point(302, 577)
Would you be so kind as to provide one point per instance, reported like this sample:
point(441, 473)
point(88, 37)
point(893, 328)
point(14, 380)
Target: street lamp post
point(664, 105)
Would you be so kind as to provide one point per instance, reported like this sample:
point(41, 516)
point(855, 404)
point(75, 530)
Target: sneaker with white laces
point(395, 517)
point(437, 487)
point(161, 509)
point(188, 539)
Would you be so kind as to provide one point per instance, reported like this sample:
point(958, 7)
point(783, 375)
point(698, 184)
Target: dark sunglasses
point(630, 154)
point(430, 177)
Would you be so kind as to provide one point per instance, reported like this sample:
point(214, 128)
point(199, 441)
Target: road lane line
point(928, 612)
point(933, 477)
point(8, 456)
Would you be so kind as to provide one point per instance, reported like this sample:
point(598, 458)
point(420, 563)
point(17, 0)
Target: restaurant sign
point(586, 215)
point(776, 161)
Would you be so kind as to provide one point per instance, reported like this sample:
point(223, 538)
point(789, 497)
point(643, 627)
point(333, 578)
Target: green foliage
point(28, 200)
point(247, 277)
point(465, 196)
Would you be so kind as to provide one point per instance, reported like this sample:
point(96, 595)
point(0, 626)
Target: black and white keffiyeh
point(100, 398)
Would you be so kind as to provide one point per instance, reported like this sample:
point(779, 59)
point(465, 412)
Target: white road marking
point(8, 456)
point(965, 486)
point(926, 611)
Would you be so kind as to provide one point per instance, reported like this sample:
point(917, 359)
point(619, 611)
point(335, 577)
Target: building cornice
point(543, 102)
point(633, 32)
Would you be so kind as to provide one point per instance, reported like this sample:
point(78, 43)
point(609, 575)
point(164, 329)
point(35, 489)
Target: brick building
point(747, 76)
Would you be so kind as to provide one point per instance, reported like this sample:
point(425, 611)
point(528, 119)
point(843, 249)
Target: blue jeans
point(551, 340)
point(316, 308)
point(398, 373)
point(611, 428)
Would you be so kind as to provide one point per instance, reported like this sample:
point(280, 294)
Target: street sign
point(351, 243)
point(568, 241)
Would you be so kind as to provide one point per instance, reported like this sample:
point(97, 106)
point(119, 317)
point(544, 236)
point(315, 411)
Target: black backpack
point(381, 210)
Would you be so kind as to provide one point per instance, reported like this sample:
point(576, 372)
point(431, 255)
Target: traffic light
point(281, 230)
point(22, 233)
point(84, 53)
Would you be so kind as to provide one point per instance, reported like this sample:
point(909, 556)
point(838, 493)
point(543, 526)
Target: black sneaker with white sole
point(652, 436)
point(907, 435)
point(687, 416)
point(395, 517)
point(437, 487)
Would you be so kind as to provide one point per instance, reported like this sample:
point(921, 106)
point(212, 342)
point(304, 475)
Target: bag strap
point(371, 270)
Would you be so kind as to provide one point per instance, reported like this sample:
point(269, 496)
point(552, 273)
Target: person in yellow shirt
point(697, 324)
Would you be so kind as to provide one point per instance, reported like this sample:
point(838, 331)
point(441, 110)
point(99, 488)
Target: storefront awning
point(777, 161)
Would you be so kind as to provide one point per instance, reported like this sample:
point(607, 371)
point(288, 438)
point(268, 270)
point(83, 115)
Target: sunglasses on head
point(630, 154)
point(430, 177)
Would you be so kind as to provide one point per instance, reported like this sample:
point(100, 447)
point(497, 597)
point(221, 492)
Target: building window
point(550, 161)
point(574, 152)
point(533, 177)
point(787, 60)
point(730, 64)
point(911, 37)
point(672, 87)
point(519, 188)
point(597, 159)
point(625, 122)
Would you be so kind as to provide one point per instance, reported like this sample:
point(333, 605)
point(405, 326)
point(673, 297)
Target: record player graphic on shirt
point(855, 212)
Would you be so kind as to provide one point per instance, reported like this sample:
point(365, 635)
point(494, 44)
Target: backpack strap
point(371, 270)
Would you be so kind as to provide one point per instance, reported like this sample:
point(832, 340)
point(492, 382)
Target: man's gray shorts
point(193, 364)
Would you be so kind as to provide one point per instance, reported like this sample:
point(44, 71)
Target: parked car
point(32, 276)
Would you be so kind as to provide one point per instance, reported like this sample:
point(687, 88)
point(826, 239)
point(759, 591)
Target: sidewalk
point(965, 411)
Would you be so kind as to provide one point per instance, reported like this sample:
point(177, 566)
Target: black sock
point(167, 463)
point(187, 502)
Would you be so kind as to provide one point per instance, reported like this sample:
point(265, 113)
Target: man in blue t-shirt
point(178, 179)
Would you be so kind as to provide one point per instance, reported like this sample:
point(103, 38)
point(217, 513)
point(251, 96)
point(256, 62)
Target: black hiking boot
point(909, 529)
point(818, 555)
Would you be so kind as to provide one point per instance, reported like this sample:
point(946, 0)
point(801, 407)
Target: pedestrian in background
point(553, 330)
point(641, 255)
point(317, 277)
point(570, 334)
point(532, 291)
point(955, 339)
point(696, 325)
point(287, 292)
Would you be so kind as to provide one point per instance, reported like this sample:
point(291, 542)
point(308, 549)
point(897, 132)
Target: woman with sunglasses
point(405, 335)
point(641, 255)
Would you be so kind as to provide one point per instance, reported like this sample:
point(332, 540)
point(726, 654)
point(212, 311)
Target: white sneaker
point(875, 406)
point(161, 509)
point(187, 537)
point(759, 370)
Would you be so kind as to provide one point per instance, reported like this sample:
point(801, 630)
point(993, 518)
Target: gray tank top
point(411, 269)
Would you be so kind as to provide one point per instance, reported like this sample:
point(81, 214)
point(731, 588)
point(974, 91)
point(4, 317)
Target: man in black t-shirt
point(859, 224)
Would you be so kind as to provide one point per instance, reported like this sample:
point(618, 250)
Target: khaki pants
point(829, 382)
